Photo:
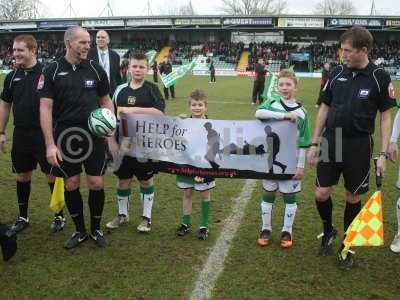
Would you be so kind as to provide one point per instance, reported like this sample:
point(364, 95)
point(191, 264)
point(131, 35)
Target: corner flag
point(367, 228)
point(57, 201)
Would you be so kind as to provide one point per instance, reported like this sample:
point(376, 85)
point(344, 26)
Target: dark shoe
point(286, 240)
point(8, 242)
point(57, 224)
point(264, 238)
point(326, 243)
point(76, 239)
point(182, 230)
point(344, 264)
point(20, 224)
point(202, 234)
point(99, 238)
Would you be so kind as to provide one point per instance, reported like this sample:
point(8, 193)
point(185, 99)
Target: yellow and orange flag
point(367, 228)
point(57, 200)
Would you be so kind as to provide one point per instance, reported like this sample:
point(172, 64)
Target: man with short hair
point(28, 150)
point(107, 58)
point(352, 96)
point(259, 81)
point(165, 69)
point(72, 87)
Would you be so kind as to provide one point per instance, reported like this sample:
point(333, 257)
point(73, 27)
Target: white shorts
point(284, 186)
point(198, 186)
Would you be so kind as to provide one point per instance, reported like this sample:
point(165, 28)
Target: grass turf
point(160, 265)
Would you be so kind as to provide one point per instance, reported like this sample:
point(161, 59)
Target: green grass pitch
point(160, 265)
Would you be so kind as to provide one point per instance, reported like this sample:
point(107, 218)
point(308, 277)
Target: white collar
point(102, 51)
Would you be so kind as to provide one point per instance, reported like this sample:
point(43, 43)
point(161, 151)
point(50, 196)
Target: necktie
point(103, 60)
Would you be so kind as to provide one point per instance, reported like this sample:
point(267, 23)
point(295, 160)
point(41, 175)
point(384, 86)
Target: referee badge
point(363, 93)
point(131, 100)
point(90, 83)
point(40, 82)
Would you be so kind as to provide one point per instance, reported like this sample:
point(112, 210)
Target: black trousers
point(258, 90)
point(212, 77)
point(166, 94)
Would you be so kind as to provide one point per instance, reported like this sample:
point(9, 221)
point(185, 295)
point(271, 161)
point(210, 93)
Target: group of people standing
point(73, 86)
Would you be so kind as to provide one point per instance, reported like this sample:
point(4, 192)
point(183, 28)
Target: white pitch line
point(215, 262)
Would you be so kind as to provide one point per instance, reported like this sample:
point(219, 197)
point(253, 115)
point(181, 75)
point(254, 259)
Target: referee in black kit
point(352, 96)
point(72, 88)
point(20, 94)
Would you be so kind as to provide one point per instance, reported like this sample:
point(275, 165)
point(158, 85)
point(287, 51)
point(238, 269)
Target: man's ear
point(365, 50)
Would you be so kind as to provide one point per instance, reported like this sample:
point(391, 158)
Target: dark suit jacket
point(115, 74)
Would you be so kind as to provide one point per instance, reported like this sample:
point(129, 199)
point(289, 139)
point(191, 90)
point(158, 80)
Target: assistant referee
point(20, 94)
point(352, 96)
point(72, 88)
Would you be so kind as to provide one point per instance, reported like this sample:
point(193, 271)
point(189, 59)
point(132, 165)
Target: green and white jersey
point(278, 108)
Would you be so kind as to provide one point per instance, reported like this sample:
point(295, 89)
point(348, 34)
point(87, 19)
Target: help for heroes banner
point(216, 148)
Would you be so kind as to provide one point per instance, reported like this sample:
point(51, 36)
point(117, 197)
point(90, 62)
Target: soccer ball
point(102, 122)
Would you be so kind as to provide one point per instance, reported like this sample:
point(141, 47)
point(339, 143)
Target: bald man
point(107, 58)
point(70, 89)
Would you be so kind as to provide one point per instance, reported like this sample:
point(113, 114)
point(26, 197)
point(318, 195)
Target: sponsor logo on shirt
point(364, 93)
point(17, 79)
point(90, 84)
point(62, 74)
point(342, 79)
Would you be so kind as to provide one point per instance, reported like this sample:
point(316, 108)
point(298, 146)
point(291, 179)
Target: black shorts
point(78, 147)
point(132, 167)
point(353, 161)
point(28, 150)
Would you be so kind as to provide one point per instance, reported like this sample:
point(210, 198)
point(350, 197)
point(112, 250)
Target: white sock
point(290, 213)
point(123, 205)
point(147, 200)
point(398, 215)
point(266, 215)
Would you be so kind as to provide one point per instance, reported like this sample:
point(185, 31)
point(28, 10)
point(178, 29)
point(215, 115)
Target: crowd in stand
point(387, 53)
point(384, 54)
point(225, 51)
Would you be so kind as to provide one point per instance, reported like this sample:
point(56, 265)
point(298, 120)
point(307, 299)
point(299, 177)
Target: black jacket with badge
point(354, 97)
point(20, 89)
point(148, 95)
point(75, 90)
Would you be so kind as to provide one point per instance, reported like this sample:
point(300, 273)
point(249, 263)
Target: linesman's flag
point(178, 73)
point(367, 228)
point(151, 56)
point(57, 201)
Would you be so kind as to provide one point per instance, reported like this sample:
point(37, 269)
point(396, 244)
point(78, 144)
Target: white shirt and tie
point(104, 60)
